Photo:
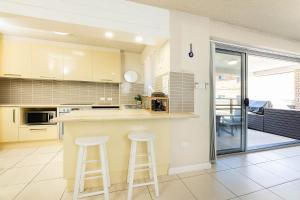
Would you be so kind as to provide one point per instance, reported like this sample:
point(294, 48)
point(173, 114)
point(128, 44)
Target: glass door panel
point(229, 94)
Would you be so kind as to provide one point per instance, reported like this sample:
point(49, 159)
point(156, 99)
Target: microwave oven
point(39, 117)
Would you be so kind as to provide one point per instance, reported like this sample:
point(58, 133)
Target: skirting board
point(189, 168)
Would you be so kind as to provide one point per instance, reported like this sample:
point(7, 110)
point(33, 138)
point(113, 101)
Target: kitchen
point(115, 82)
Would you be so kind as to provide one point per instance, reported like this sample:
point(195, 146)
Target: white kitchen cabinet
point(47, 61)
point(9, 124)
point(15, 58)
point(77, 64)
point(38, 132)
point(106, 66)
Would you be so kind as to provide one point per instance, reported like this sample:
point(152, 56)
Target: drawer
point(38, 133)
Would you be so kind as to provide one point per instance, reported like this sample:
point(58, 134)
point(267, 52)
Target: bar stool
point(133, 167)
point(81, 173)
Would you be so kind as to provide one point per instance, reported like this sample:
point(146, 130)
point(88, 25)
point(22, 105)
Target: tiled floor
point(35, 173)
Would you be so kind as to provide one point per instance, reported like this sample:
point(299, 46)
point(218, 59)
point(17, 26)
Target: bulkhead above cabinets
point(38, 59)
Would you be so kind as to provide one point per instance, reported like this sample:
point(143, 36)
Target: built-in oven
point(39, 117)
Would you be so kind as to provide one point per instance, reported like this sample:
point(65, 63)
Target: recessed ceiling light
point(139, 39)
point(109, 34)
point(61, 33)
point(232, 62)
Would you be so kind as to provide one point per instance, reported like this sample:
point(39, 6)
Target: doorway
point(229, 98)
point(255, 99)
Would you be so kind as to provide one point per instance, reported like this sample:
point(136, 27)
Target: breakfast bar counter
point(116, 124)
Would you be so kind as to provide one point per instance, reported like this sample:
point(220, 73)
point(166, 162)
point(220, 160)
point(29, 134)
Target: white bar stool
point(150, 166)
point(81, 173)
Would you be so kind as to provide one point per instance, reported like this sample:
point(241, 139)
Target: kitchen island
point(116, 124)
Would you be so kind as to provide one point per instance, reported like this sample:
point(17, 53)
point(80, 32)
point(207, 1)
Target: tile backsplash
point(27, 91)
point(181, 92)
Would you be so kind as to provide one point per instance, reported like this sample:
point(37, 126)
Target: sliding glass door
point(229, 70)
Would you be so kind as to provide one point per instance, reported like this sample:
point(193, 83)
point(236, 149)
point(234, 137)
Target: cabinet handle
point(13, 75)
point(37, 129)
point(49, 77)
point(107, 80)
point(14, 116)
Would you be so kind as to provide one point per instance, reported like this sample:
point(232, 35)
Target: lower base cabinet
point(42, 132)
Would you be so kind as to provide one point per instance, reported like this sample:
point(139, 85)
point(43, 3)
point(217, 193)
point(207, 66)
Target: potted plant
point(138, 99)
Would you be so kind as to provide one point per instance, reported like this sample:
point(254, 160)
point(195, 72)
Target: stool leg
point(107, 166)
point(129, 163)
point(83, 170)
point(104, 171)
point(131, 169)
point(154, 172)
point(149, 160)
point(78, 175)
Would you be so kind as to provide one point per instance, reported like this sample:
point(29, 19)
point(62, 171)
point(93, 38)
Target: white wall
point(244, 36)
point(157, 62)
point(190, 138)
point(133, 61)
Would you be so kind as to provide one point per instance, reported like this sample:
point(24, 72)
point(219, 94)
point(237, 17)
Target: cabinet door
point(9, 124)
point(106, 66)
point(77, 64)
point(46, 61)
point(15, 58)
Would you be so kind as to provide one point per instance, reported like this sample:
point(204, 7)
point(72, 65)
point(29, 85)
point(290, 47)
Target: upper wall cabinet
point(47, 61)
point(77, 64)
point(106, 66)
point(15, 58)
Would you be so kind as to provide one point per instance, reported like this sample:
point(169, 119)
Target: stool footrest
point(91, 161)
point(92, 177)
point(93, 171)
point(143, 184)
point(143, 165)
point(91, 194)
point(142, 170)
point(142, 155)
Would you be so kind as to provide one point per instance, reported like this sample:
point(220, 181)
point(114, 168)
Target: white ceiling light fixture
point(139, 39)
point(61, 33)
point(109, 34)
point(232, 62)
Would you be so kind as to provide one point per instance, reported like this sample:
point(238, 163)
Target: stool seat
point(141, 136)
point(91, 141)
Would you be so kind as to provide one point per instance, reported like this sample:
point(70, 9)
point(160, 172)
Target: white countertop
point(102, 115)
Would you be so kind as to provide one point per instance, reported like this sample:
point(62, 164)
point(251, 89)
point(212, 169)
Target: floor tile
point(236, 182)
point(49, 149)
point(235, 162)
point(288, 152)
point(206, 187)
point(10, 192)
point(59, 158)
point(218, 166)
point(167, 178)
point(280, 170)
point(51, 171)
point(174, 190)
point(20, 152)
point(254, 158)
point(261, 176)
point(191, 174)
point(293, 162)
point(270, 155)
point(36, 159)
point(261, 195)
point(288, 191)
point(138, 194)
point(45, 190)
point(20, 175)
point(8, 162)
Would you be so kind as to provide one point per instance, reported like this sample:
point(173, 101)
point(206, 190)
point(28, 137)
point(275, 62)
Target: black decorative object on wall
point(191, 54)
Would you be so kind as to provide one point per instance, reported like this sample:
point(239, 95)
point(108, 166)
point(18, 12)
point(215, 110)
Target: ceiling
point(279, 17)
point(43, 29)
